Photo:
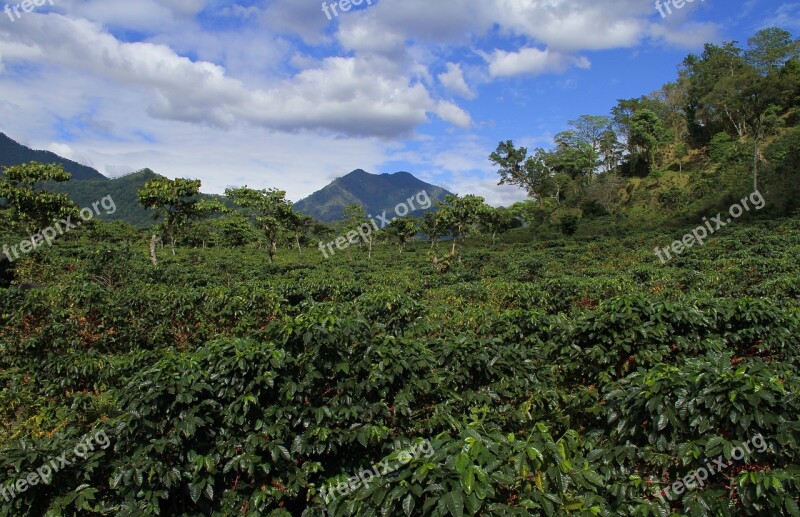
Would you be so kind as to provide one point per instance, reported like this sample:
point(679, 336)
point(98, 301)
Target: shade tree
point(268, 209)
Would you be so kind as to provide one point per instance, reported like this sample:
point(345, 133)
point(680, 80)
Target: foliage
point(31, 208)
point(573, 377)
point(269, 209)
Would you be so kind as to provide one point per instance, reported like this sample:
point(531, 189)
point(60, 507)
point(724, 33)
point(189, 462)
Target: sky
point(279, 94)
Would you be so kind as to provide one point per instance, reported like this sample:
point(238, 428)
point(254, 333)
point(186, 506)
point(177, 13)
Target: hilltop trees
point(726, 93)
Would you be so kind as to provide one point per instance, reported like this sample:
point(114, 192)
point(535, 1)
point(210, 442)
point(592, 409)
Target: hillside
point(372, 191)
point(14, 153)
point(122, 190)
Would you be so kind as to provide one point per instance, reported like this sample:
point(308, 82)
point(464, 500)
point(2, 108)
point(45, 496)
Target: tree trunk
point(153, 241)
point(172, 244)
point(755, 164)
point(453, 250)
point(299, 248)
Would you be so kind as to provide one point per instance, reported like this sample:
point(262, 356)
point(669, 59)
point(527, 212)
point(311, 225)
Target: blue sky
point(271, 93)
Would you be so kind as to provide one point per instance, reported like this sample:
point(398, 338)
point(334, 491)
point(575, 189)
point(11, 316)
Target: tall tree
point(516, 168)
point(648, 135)
point(270, 210)
point(770, 49)
point(573, 155)
point(591, 129)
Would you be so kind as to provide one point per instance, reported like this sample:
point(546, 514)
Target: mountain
point(14, 153)
point(122, 190)
point(374, 192)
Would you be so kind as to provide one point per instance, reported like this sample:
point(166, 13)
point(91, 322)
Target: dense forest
point(537, 359)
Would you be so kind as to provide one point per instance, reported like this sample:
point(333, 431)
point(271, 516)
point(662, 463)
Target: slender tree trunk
point(755, 164)
point(272, 248)
point(153, 240)
point(453, 250)
point(299, 248)
point(172, 244)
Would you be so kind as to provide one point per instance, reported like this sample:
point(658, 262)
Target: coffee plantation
point(570, 376)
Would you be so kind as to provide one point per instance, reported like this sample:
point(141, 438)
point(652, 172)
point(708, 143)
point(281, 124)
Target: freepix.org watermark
point(27, 6)
point(377, 471)
point(668, 4)
point(44, 474)
point(365, 230)
point(697, 478)
point(700, 234)
point(49, 234)
point(344, 5)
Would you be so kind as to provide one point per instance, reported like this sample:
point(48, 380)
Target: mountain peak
point(374, 192)
point(14, 153)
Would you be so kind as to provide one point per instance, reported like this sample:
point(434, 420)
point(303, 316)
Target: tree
point(354, 218)
point(516, 168)
point(648, 135)
point(610, 150)
point(176, 203)
point(299, 225)
point(674, 96)
point(234, 230)
point(561, 182)
point(770, 49)
point(607, 192)
point(32, 208)
point(573, 156)
point(434, 226)
point(720, 81)
point(403, 230)
point(591, 130)
point(461, 214)
point(497, 221)
point(269, 209)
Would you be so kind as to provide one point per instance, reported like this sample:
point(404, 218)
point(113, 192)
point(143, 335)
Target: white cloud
point(335, 97)
point(453, 80)
point(532, 61)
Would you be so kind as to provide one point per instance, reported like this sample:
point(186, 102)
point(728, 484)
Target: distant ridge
point(14, 153)
point(374, 192)
point(122, 190)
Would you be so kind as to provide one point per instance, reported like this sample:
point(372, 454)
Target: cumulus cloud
point(347, 95)
point(532, 61)
point(453, 80)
